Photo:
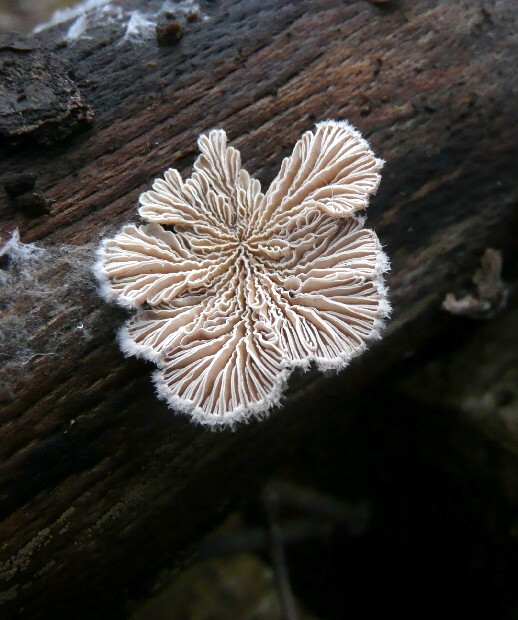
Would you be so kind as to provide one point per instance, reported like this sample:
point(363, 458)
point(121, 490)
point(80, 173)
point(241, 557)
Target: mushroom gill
point(248, 286)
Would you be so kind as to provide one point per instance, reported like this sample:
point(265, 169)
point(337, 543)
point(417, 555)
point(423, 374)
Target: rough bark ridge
point(101, 485)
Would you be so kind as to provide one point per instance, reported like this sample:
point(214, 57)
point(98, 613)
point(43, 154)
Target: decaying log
point(101, 485)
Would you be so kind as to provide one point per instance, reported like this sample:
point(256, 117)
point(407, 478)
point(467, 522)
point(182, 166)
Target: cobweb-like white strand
point(137, 25)
point(54, 284)
point(250, 286)
point(16, 251)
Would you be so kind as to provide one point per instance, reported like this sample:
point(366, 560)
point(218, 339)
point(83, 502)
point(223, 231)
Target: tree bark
point(101, 485)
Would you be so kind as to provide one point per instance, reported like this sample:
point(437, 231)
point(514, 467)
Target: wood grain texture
point(101, 486)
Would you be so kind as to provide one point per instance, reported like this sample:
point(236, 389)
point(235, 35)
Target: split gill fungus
point(245, 287)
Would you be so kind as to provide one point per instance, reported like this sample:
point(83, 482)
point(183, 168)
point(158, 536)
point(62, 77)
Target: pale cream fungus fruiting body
point(244, 287)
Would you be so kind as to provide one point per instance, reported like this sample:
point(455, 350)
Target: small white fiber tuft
point(135, 25)
point(15, 251)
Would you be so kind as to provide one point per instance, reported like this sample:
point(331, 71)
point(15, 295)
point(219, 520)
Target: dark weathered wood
point(39, 100)
point(101, 485)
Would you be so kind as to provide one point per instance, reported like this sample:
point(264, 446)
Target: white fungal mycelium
point(234, 289)
point(53, 284)
point(135, 25)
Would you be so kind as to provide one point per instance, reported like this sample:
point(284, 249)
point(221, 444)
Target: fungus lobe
point(234, 288)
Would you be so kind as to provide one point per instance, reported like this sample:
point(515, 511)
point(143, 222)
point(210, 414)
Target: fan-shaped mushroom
point(250, 286)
